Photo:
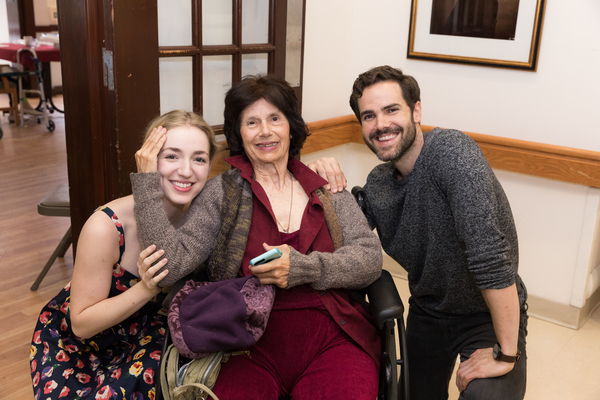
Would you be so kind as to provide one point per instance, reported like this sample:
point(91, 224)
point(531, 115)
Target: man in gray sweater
point(442, 215)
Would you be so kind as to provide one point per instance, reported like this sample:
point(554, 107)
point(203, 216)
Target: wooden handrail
point(538, 159)
point(332, 132)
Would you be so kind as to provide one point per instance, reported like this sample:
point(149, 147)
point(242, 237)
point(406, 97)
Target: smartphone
point(266, 257)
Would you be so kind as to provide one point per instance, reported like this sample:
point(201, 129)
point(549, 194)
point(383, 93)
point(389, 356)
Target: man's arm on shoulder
point(329, 169)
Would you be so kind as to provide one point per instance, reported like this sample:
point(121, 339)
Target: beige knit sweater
point(354, 265)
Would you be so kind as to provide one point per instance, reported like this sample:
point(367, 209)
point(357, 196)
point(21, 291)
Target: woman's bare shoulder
point(101, 225)
point(123, 208)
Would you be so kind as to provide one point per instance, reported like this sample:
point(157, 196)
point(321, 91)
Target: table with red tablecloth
point(45, 54)
point(8, 51)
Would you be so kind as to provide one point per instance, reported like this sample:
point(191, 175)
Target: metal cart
point(18, 72)
point(40, 90)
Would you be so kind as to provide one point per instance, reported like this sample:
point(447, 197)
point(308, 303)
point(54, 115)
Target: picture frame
point(494, 33)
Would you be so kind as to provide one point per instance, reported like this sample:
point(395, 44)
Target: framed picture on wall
point(497, 33)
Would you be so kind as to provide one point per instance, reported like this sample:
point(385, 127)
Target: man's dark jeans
point(434, 343)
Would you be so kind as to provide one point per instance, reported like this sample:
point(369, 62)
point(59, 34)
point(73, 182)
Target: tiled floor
point(562, 363)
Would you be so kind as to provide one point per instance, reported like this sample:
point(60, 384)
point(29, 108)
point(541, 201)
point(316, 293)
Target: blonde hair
point(177, 118)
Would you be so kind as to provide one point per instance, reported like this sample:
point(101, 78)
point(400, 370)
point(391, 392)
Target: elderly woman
point(319, 341)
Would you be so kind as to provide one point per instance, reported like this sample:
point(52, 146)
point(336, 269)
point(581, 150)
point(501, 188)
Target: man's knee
point(505, 387)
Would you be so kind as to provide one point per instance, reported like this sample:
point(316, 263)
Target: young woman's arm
point(98, 250)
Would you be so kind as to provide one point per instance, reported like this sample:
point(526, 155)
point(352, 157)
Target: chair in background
point(55, 204)
point(9, 87)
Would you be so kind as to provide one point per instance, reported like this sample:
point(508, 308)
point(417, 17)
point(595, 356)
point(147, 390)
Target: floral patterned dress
point(121, 362)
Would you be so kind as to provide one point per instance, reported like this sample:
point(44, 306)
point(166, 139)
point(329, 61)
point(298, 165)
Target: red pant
point(303, 354)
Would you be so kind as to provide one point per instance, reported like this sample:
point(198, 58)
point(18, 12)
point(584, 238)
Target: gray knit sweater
point(355, 265)
point(448, 223)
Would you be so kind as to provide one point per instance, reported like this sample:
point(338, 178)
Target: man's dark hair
point(408, 85)
point(276, 91)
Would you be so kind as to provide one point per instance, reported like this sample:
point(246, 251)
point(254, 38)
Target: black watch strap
point(499, 356)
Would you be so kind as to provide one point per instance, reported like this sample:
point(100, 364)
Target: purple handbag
point(206, 317)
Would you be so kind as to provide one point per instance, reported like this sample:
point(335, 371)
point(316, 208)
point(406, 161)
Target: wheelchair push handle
point(359, 195)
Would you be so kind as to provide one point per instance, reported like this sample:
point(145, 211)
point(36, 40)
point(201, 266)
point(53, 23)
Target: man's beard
point(404, 144)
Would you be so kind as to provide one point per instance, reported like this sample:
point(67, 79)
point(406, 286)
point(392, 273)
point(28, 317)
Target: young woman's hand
point(148, 267)
point(146, 158)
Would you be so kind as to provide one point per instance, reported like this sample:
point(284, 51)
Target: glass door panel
point(174, 23)
point(217, 25)
point(216, 75)
point(176, 89)
point(255, 21)
point(255, 64)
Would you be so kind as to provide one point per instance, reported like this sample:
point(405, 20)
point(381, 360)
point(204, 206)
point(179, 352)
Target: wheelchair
point(388, 314)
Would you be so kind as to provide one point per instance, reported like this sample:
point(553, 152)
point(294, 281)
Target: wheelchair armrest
point(174, 289)
point(385, 300)
point(198, 276)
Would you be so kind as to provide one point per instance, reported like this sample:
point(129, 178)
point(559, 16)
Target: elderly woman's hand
point(275, 272)
point(146, 158)
point(329, 169)
point(147, 271)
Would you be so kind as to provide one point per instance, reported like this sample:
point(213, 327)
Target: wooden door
point(109, 55)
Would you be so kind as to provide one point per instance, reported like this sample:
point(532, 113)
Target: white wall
point(3, 27)
point(44, 12)
point(3, 22)
point(558, 104)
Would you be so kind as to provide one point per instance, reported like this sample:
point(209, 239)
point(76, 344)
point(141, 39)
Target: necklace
point(290, 215)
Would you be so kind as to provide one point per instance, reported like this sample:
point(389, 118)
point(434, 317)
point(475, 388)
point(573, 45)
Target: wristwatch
point(499, 356)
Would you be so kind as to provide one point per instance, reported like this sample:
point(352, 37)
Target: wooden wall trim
point(565, 164)
point(537, 159)
point(543, 160)
point(332, 132)
point(218, 164)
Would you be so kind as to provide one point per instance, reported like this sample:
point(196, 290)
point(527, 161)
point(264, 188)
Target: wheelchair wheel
point(51, 125)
